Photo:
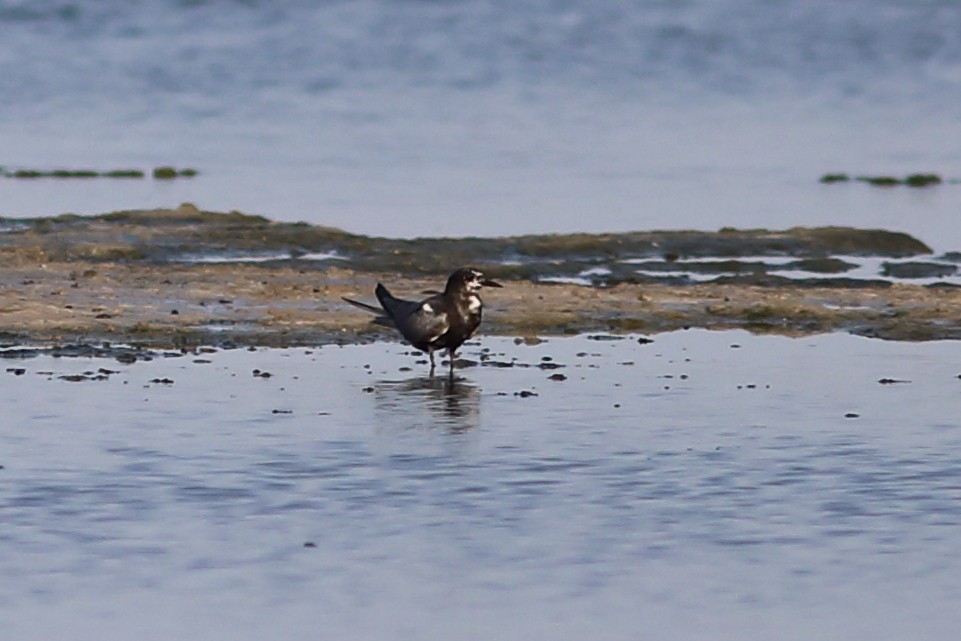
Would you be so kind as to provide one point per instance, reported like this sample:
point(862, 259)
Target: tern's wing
point(396, 308)
point(423, 325)
point(420, 323)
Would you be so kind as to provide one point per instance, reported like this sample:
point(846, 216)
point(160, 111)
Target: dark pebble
point(310, 544)
point(557, 377)
point(525, 393)
point(368, 390)
point(127, 359)
point(261, 374)
point(852, 415)
point(282, 412)
point(645, 341)
point(162, 381)
point(549, 366)
point(891, 381)
point(17, 371)
point(79, 378)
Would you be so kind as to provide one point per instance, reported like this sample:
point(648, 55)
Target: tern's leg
point(430, 353)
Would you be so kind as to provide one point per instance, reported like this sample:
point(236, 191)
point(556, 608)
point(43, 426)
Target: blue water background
point(406, 118)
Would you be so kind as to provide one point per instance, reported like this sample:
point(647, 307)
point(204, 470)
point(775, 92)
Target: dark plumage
point(442, 321)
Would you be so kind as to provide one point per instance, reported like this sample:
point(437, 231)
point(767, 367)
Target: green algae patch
point(186, 214)
point(835, 178)
point(124, 173)
point(918, 269)
point(880, 181)
point(861, 242)
point(912, 180)
point(160, 173)
point(169, 173)
point(164, 173)
point(822, 265)
point(73, 173)
point(922, 180)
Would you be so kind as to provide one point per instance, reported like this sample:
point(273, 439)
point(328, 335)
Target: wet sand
point(127, 277)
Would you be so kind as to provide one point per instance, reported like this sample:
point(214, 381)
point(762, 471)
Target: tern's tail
point(364, 306)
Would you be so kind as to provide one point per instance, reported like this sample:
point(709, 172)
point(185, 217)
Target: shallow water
point(490, 117)
point(705, 486)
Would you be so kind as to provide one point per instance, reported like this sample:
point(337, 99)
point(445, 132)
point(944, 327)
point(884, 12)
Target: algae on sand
point(55, 271)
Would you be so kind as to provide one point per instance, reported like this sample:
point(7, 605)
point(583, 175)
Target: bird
point(442, 321)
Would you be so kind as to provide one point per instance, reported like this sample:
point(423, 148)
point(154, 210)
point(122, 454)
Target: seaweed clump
point(912, 180)
point(835, 178)
point(169, 173)
point(159, 173)
point(922, 180)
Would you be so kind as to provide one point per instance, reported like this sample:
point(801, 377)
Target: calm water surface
point(705, 486)
point(490, 117)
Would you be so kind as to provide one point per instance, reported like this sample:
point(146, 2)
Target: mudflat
point(186, 277)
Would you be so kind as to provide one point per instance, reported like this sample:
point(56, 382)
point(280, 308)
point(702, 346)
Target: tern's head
point(468, 280)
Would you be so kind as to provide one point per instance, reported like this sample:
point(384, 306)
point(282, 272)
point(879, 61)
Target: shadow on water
point(451, 402)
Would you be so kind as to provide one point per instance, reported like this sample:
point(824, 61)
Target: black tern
point(442, 321)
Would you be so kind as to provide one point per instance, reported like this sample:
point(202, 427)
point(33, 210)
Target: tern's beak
point(490, 283)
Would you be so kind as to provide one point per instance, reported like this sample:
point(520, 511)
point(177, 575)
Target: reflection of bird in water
point(455, 401)
point(443, 321)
